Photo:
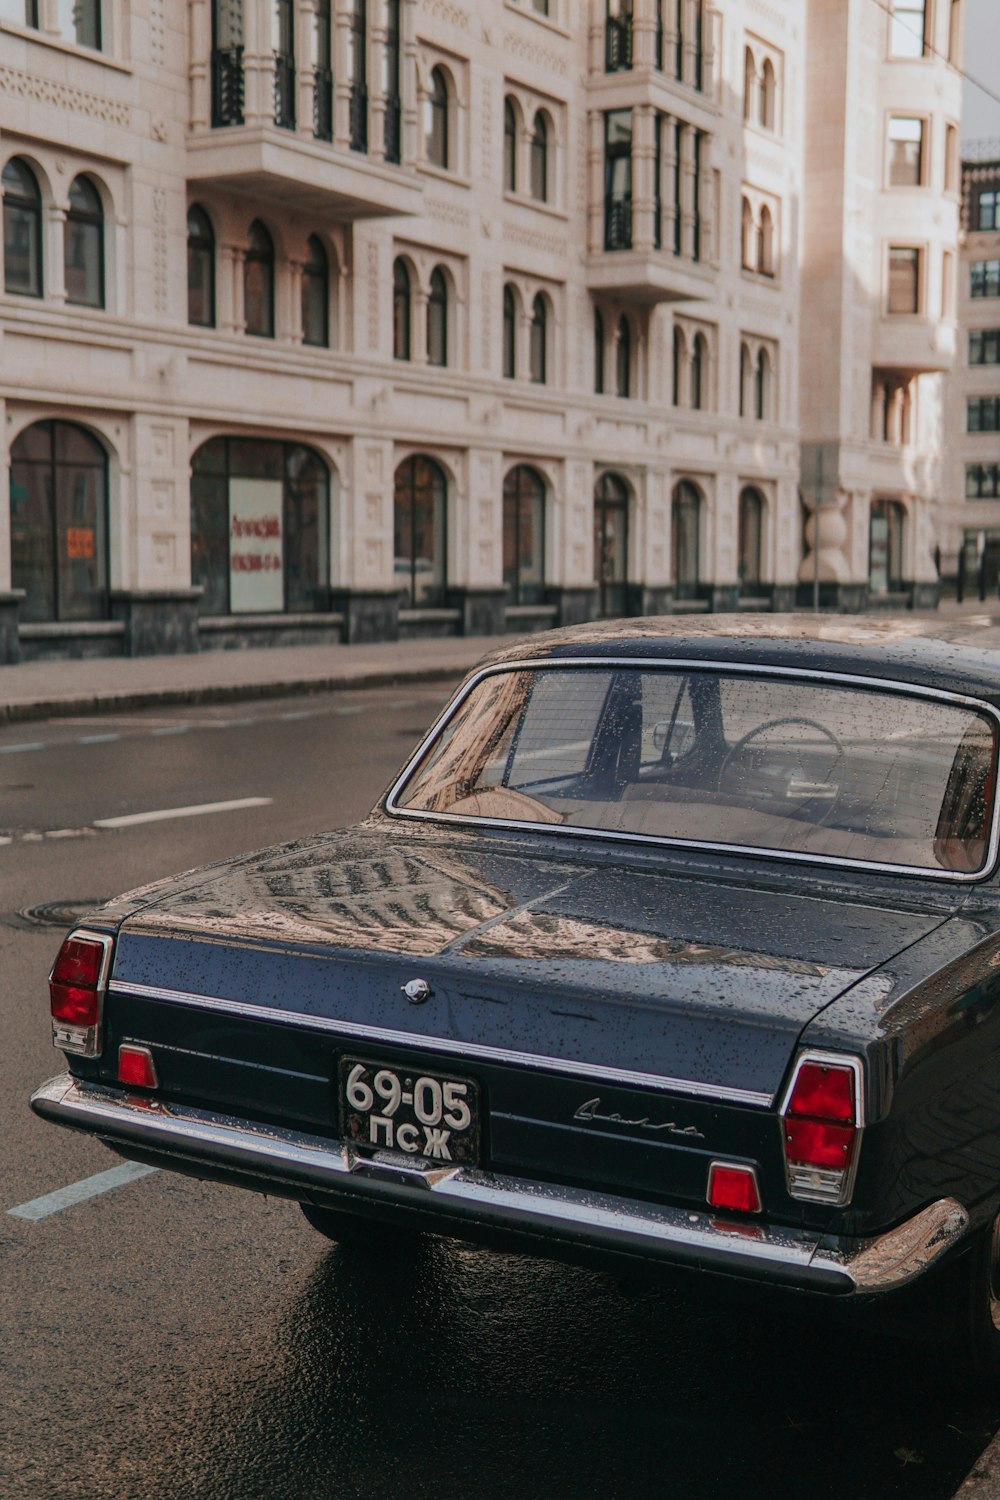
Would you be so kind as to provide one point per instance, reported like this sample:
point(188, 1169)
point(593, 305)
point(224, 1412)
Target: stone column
point(643, 184)
point(55, 265)
point(376, 79)
point(341, 74)
point(687, 192)
point(305, 66)
point(199, 68)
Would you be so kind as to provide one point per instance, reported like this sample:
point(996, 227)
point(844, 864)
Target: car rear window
point(792, 765)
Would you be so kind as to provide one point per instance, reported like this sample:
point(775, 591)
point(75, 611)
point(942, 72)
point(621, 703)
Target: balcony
point(914, 345)
point(650, 275)
point(271, 134)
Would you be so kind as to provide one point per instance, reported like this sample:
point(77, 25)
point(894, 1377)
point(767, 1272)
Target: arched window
point(751, 528)
point(678, 365)
point(685, 538)
point(699, 372)
point(885, 547)
point(509, 331)
point(316, 295)
point(524, 536)
point(762, 386)
point(437, 319)
point(59, 523)
point(437, 123)
point(400, 310)
point(539, 340)
point(748, 240)
point(420, 506)
point(262, 547)
point(749, 83)
point(598, 352)
point(611, 546)
point(540, 159)
point(623, 359)
point(509, 145)
point(258, 283)
point(84, 245)
point(765, 243)
point(768, 95)
point(746, 365)
point(201, 268)
point(22, 230)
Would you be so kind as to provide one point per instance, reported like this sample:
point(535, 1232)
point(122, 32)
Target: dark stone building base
point(528, 619)
point(480, 611)
point(10, 643)
point(367, 616)
point(926, 595)
point(646, 600)
point(839, 598)
point(573, 606)
point(783, 597)
point(241, 632)
point(158, 622)
point(724, 598)
point(76, 640)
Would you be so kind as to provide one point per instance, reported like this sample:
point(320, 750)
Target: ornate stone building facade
point(343, 319)
point(970, 522)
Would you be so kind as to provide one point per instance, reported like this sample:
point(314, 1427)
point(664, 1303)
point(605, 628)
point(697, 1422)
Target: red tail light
point(76, 992)
point(821, 1127)
point(136, 1066)
point(733, 1186)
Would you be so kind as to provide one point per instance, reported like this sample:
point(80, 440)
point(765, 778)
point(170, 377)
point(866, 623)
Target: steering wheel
point(741, 744)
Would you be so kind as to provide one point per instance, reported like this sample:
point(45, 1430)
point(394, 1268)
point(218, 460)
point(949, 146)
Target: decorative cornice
point(64, 96)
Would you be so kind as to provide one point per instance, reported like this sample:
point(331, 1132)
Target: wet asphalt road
point(174, 1338)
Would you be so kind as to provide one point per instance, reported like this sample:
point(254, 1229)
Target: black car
point(674, 939)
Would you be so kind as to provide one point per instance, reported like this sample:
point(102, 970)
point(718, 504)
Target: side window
point(552, 745)
point(667, 720)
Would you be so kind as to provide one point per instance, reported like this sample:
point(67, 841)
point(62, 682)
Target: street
point(170, 1337)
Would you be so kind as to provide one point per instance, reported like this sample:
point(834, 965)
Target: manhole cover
point(59, 913)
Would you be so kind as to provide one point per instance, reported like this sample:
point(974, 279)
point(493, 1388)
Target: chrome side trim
point(722, 668)
point(303, 1164)
point(430, 1043)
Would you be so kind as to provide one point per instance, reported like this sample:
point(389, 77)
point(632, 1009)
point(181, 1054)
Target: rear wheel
point(356, 1233)
point(975, 1352)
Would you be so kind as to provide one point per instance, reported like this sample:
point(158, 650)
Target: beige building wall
point(752, 292)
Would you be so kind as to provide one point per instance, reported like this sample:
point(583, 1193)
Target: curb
point(983, 1480)
point(111, 701)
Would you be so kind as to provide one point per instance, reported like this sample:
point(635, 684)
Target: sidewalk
point(50, 689)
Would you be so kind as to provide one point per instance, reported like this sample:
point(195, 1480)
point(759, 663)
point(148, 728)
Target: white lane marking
point(163, 813)
point(79, 1192)
point(172, 729)
point(291, 718)
point(97, 739)
point(352, 709)
point(17, 749)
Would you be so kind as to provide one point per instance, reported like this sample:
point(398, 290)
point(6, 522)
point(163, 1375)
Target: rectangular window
point(983, 414)
point(80, 22)
point(989, 210)
point(21, 12)
point(904, 279)
point(618, 180)
point(907, 33)
point(982, 481)
point(906, 151)
point(986, 278)
point(618, 36)
point(984, 346)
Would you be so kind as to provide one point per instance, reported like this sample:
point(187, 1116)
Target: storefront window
point(260, 527)
point(59, 523)
point(611, 546)
point(420, 505)
point(524, 536)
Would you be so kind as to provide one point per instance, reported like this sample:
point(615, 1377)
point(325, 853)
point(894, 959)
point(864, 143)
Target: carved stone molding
point(528, 50)
point(447, 213)
point(446, 10)
point(533, 239)
point(64, 96)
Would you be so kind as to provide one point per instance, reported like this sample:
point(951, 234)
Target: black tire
point(352, 1232)
point(974, 1354)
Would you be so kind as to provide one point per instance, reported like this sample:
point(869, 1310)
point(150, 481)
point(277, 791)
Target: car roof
point(917, 651)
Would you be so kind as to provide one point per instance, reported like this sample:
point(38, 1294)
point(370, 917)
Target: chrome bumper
point(296, 1165)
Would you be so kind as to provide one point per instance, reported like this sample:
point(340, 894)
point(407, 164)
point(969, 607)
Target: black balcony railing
point(284, 91)
point(617, 44)
point(227, 86)
point(323, 104)
point(359, 117)
point(618, 223)
point(394, 129)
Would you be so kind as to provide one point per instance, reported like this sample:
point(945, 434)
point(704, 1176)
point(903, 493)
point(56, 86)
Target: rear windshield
point(783, 764)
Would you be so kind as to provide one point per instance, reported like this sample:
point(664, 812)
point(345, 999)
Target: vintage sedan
point(675, 939)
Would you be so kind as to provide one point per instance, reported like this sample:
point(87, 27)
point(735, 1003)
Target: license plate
point(424, 1115)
